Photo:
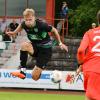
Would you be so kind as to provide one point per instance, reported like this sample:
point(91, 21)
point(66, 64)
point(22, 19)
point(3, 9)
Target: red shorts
point(92, 85)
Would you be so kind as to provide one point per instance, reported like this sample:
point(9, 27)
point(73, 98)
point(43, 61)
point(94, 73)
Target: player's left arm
point(55, 32)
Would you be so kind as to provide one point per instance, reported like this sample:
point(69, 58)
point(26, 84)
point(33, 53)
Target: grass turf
point(32, 96)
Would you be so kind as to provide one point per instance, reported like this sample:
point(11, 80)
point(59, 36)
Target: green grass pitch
point(34, 96)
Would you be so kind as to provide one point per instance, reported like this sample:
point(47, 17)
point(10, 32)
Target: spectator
point(63, 16)
point(64, 11)
point(3, 29)
point(93, 25)
point(12, 26)
point(3, 25)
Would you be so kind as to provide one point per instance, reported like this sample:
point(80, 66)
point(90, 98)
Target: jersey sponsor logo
point(34, 37)
point(36, 30)
point(44, 34)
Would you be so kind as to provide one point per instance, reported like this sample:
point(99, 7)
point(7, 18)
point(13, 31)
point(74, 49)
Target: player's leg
point(92, 81)
point(44, 55)
point(26, 48)
point(36, 73)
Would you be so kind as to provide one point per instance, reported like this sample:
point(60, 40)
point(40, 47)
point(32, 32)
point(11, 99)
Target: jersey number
point(96, 48)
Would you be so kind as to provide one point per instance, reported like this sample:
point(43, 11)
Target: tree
point(80, 19)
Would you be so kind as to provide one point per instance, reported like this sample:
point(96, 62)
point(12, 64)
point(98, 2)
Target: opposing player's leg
point(91, 85)
point(26, 48)
point(44, 55)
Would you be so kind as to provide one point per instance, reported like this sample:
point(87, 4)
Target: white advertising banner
point(7, 80)
point(69, 82)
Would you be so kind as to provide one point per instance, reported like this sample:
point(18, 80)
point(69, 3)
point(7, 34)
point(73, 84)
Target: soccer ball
point(56, 76)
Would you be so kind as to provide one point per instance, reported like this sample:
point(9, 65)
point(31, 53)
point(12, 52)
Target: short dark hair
point(98, 17)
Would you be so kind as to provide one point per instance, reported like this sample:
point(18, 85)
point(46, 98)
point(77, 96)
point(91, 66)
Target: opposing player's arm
point(81, 53)
point(82, 49)
point(18, 29)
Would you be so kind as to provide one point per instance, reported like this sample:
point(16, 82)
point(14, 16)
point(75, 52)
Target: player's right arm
point(81, 52)
point(18, 29)
point(82, 48)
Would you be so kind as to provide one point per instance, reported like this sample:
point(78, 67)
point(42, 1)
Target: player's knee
point(36, 73)
point(36, 76)
point(24, 45)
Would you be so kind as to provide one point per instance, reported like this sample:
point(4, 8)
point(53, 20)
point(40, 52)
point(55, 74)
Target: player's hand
point(78, 70)
point(63, 47)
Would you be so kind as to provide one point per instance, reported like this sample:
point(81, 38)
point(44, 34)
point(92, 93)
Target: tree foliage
point(82, 16)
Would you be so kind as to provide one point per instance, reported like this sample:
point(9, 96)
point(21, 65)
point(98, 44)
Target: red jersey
point(89, 51)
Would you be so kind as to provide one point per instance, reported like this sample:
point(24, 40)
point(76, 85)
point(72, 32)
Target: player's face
point(29, 20)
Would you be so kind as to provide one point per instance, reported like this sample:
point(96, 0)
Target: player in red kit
point(88, 56)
